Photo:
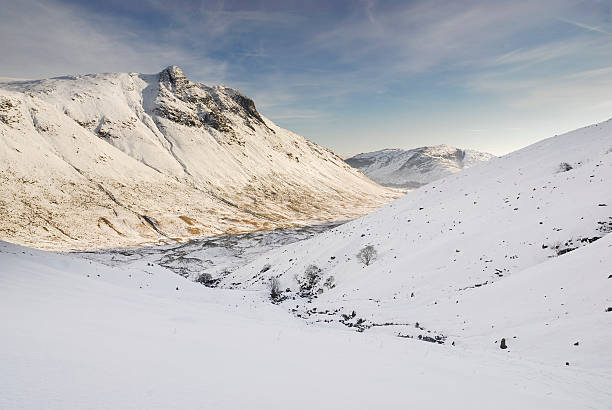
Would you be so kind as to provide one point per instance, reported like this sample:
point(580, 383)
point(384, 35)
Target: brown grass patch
point(110, 225)
point(189, 221)
point(194, 231)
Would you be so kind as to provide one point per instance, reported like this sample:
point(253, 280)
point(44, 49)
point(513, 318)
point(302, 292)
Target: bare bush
point(309, 280)
point(367, 255)
point(276, 293)
point(205, 279)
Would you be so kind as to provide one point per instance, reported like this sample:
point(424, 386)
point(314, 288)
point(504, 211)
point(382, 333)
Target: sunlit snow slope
point(413, 168)
point(108, 160)
point(515, 248)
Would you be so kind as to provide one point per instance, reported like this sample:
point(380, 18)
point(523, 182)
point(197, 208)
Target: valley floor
point(216, 256)
point(80, 334)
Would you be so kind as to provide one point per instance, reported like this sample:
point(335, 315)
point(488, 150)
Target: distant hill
point(413, 168)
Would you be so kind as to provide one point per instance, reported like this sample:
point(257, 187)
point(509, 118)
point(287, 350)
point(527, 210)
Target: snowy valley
point(79, 334)
point(305, 205)
point(488, 288)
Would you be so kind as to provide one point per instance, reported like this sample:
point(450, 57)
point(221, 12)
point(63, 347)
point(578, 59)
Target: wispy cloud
point(586, 26)
point(425, 34)
point(541, 53)
point(316, 61)
point(41, 39)
point(566, 92)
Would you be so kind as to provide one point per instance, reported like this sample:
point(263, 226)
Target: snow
point(118, 159)
point(516, 248)
point(409, 169)
point(79, 334)
point(216, 256)
point(473, 258)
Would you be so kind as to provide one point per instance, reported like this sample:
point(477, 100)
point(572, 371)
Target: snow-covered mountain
point(517, 248)
point(123, 159)
point(413, 168)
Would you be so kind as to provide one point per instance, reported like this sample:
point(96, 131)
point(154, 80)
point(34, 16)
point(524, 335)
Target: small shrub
point(205, 279)
point(309, 280)
point(367, 255)
point(564, 166)
point(276, 294)
point(330, 282)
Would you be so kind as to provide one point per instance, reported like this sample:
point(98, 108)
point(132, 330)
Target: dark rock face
point(248, 105)
point(178, 116)
point(218, 121)
point(174, 77)
point(204, 106)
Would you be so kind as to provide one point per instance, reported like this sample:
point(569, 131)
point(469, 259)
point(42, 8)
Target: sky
point(354, 76)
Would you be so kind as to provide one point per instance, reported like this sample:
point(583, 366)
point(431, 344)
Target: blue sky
point(354, 76)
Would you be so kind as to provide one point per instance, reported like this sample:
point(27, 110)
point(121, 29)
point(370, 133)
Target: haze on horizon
point(355, 76)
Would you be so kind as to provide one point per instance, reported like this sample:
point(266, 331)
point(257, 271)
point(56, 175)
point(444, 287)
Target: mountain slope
point(516, 248)
point(416, 167)
point(124, 159)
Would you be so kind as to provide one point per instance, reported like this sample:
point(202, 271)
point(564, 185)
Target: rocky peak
point(174, 77)
point(220, 108)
